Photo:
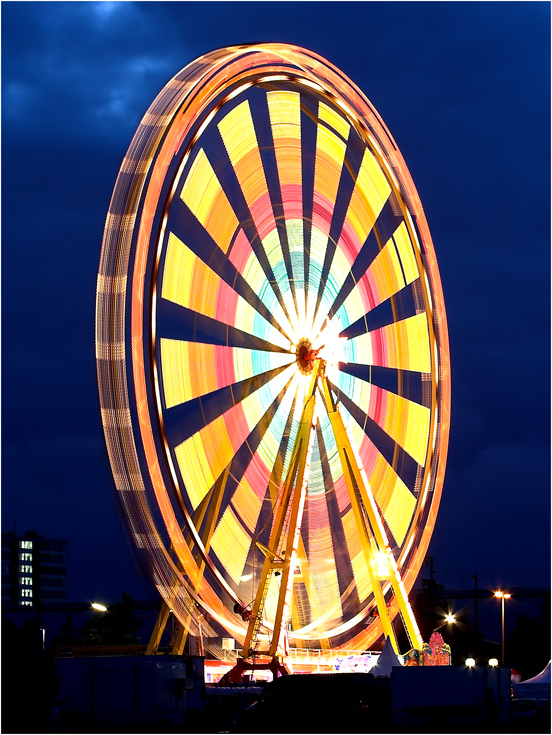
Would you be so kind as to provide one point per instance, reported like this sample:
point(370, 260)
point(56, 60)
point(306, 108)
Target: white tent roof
point(388, 658)
point(538, 686)
point(542, 678)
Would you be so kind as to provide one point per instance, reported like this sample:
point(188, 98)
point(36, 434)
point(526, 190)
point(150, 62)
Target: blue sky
point(464, 89)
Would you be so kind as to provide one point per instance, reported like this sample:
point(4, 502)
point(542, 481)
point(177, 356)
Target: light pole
point(98, 606)
point(449, 618)
point(502, 596)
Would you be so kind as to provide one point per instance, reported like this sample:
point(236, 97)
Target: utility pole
point(476, 622)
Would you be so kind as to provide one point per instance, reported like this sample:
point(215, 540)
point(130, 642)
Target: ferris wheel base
point(236, 674)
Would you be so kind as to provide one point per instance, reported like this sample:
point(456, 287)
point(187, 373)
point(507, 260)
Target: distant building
point(34, 569)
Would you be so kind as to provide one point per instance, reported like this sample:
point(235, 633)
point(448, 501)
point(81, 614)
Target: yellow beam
point(209, 506)
point(158, 629)
point(363, 503)
point(291, 504)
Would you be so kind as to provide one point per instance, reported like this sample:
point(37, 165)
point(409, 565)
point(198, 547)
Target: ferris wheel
point(272, 355)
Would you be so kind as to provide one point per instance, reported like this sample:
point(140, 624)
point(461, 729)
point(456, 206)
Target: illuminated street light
point(470, 662)
point(502, 596)
point(493, 662)
point(449, 618)
point(99, 607)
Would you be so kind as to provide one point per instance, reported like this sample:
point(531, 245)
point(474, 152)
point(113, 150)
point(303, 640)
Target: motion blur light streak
point(263, 205)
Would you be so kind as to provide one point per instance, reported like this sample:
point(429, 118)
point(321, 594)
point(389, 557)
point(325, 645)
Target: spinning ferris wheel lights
point(263, 211)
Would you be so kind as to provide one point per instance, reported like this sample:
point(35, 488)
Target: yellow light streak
point(393, 497)
point(189, 282)
point(408, 424)
point(204, 195)
point(406, 253)
point(330, 154)
point(231, 543)
point(330, 116)
point(369, 195)
point(406, 341)
point(356, 555)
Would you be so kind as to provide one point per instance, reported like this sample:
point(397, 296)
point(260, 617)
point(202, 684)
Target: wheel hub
point(305, 355)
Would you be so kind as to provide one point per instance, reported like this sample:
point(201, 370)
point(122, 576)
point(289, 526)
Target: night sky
point(464, 89)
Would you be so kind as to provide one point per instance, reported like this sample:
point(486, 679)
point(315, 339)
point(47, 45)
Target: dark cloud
point(465, 91)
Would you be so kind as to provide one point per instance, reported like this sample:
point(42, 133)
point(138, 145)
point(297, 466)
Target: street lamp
point(470, 662)
point(493, 662)
point(502, 596)
point(98, 606)
point(449, 618)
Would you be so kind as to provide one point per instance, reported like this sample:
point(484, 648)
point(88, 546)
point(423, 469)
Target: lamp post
point(98, 606)
point(502, 596)
point(449, 618)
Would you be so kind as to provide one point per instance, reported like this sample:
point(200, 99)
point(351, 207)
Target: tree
point(117, 626)
point(528, 645)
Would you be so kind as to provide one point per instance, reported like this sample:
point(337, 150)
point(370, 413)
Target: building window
point(58, 571)
point(26, 593)
point(5, 566)
point(55, 558)
point(26, 580)
point(54, 546)
point(53, 594)
point(53, 582)
point(25, 544)
point(25, 556)
point(26, 602)
point(25, 568)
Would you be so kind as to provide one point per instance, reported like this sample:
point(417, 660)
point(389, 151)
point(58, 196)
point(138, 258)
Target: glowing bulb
point(470, 662)
point(493, 662)
point(98, 606)
point(450, 618)
point(381, 565)
point(333, 351)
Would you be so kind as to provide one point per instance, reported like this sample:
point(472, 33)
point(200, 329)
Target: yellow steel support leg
point(273, 486)
point(158, 629)
point(287, 522)
point(210, 507)
point(365, 509)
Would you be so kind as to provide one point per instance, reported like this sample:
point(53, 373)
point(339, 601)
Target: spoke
point(206, 198)
point(370, 193)
point(331, 137)
point(391, 270)
point(403, 345)
point(241, 516)
point(246, 262)
point(285, 120)
point(240, 140)
point(203, 456)
point(204, 195)
point(189, 282)
point(239, 266)
point(193, 369)
point(406, 422)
